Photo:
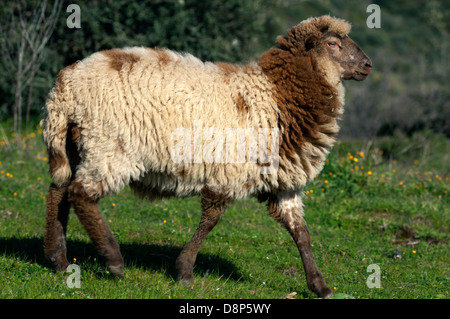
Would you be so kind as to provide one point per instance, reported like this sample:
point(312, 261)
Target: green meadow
point(382, 202)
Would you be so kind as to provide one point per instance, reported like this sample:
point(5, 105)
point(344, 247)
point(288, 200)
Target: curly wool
point(127, 103)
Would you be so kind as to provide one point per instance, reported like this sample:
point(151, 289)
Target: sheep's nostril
point(368, 64)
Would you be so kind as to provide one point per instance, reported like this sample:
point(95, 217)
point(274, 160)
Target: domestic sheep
point(120, 117)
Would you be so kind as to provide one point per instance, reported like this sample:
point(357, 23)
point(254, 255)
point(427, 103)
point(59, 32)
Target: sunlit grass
point(366, 207)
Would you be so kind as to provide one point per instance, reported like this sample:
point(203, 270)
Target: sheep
point(120, 117)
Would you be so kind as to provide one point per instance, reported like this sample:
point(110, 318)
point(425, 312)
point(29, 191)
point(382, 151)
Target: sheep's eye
point(331, 44)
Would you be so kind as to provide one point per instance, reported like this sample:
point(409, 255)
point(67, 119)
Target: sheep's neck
point(309, 105)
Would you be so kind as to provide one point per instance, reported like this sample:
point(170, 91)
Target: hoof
point(318, 286)
point(323, 292)
point(59, 264)
point(186, 280)
point(188, 283)
point(116, 271)
point(61, 268)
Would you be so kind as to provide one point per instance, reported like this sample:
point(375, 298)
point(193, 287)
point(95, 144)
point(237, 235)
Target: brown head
point(326, 38)
point(355, 64)
point(307, 68)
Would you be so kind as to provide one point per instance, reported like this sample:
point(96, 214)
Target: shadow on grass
point(159, 258)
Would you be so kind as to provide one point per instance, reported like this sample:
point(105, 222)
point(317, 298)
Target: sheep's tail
point(54, 131)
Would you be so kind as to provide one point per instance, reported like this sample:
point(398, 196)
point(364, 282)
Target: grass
point(385, 202)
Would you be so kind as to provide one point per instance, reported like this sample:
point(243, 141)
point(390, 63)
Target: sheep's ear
point(310, 43)
point(283, 41)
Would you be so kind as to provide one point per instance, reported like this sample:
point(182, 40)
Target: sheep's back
point(128, 104)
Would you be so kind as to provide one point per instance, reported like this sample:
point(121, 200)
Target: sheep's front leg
point(213, 206)
point(56, 224)
point(87, 211)
point(287, 208)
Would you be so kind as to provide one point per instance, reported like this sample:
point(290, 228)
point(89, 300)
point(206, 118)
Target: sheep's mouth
point(359, 76)
point(361, 73)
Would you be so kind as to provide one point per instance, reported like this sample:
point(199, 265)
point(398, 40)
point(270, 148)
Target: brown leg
point(56, 224)
point(287, 209)
point(93, 221)
point(213, 206)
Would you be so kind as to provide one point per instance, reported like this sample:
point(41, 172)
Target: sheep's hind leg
point(87, 210)
point(55, 229)
point(287, 209)
point(213, 206)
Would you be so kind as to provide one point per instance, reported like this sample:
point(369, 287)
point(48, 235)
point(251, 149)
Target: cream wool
point(129, 102)
point(127, 118)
